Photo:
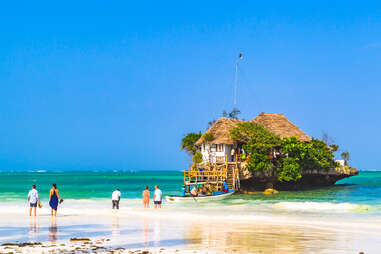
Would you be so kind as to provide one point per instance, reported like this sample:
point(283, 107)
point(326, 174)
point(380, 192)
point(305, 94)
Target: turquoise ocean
point(346, 216)
point(360, 194)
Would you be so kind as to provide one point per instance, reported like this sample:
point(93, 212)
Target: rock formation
point(260, 180)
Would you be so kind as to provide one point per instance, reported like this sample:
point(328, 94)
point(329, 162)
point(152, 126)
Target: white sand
point(212, 230)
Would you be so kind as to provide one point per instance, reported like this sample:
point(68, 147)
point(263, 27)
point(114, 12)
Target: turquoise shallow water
point(14, 186)
point(335, 217)
point(364, 189)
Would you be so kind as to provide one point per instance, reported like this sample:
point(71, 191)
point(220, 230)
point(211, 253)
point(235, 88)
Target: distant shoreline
point(124, 171)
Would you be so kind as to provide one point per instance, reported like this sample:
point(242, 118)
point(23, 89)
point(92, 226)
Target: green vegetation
point(197, 157)
point(208, 137)
point(233, 114)
point(334, 147)
point(295, 155)
point(210, 123)
point(188, 143)
point(257, 142)
point(298, 156)
point(292, 155)
point(346, 157)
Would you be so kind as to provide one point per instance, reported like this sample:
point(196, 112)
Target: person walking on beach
point(33, 200)
point(146, 198)
point(116, 199)
point(54, 197)
point(157, 197)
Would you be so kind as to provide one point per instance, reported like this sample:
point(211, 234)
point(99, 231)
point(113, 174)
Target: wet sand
point(187, 230)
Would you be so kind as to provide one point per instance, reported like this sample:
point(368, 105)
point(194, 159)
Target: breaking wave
point(323, 207)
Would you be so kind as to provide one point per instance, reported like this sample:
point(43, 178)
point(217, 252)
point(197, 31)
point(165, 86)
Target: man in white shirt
point(33, 200)
point(157, 197)
point(115, 199)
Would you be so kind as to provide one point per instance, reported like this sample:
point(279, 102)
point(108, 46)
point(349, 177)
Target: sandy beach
point(186, 229)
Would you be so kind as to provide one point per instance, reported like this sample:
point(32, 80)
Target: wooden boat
point(214, 197)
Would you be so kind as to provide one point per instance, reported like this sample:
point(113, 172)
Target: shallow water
point(358, 194)
point(342, 218)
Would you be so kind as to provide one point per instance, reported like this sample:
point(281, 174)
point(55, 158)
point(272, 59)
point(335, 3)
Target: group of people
point(55, 199)
point(34, 200)
point(157, 198)
point(203, 191)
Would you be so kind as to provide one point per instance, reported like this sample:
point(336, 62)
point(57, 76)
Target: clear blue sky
point(88, 85)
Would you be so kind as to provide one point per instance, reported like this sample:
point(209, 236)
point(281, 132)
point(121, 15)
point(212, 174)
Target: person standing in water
point(116, 199)
point(183, 191)
point(33, 200)
point(54, 197)
point(157, 197)
point(146, 198)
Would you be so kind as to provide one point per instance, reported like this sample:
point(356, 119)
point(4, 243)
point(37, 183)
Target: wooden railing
point(204, 176)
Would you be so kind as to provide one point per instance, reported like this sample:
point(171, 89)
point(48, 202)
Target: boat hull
point(199, 198)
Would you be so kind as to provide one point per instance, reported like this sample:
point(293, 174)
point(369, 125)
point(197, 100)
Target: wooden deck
point(219, 172)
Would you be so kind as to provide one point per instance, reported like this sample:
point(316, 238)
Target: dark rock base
point(308, 181)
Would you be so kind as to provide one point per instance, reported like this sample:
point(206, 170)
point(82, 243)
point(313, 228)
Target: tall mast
point(240, 56)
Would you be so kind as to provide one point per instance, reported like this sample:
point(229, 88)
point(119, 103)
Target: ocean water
point(358, 195)
point(344, 218)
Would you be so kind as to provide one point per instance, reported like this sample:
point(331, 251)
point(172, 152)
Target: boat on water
point(201, 198)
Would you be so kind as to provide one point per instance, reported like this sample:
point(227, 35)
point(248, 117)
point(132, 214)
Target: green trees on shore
point(257, 142)
point(188, 142)
point(298, 156)
point(294, 155)
point(346, 157)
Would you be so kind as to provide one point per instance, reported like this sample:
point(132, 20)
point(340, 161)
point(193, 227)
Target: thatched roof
point(221, 131)
point(276, 123)
point(280, 125)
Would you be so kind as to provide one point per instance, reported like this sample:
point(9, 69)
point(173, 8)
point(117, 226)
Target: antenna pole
point(235, 83)
point(240, 56)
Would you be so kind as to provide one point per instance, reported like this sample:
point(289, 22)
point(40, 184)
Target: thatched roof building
point(280, 125)
point(276, 123)
point(221, 131)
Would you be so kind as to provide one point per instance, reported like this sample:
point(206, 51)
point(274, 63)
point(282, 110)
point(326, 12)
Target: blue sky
point(101, 85)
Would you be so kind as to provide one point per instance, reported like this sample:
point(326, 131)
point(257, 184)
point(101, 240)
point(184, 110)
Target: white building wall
point(341, 162)
point(209, 154)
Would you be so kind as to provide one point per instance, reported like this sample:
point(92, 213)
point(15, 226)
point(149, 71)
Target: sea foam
point(321, 207)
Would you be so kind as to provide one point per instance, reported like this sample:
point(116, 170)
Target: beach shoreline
point(182, 230)
point(345, 218)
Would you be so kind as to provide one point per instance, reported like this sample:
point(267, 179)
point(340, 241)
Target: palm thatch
point(221, 131)
point(276, 123)
point(280, 125)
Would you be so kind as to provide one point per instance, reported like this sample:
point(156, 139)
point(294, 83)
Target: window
point(220, 158)
point(220, 148)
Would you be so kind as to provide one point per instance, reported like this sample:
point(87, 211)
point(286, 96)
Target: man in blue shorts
point(157, 197)
point(33, 200)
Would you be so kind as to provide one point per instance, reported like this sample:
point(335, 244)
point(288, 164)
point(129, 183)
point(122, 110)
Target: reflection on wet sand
point(260, 239)
point(115, 227)
point(156, 233)
point(34, 228)
point(53, 232)
point(146, 231)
